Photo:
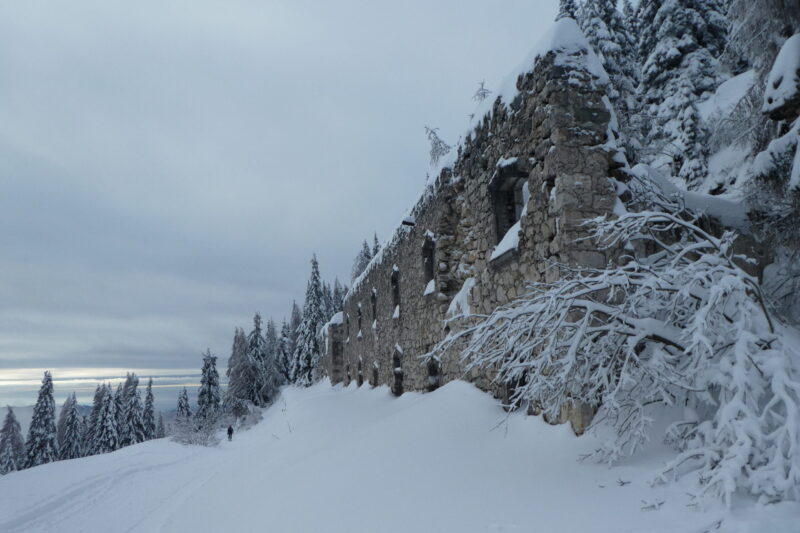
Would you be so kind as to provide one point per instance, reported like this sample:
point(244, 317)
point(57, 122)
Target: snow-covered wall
point(536, 165)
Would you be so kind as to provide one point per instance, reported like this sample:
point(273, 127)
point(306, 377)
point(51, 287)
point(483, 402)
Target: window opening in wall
point(395, 281)
point(374, 374)
point(397, 371)
point(360, 317)
point(374, 302)
point(509, 197)
point(434, 375)
point(428, 256)
point(360, 374)
point(347, 376)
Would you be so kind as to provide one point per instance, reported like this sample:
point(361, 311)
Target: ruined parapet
point(504, 213)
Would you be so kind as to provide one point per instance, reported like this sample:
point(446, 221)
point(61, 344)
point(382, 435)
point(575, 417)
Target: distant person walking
point(230, 432)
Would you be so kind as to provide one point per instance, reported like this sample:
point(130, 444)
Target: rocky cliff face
point(506, 212)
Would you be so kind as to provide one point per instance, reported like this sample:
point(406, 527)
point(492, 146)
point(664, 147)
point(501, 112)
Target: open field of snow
point(359, 460)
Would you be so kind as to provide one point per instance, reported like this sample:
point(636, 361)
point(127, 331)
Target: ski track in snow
point(346, 460)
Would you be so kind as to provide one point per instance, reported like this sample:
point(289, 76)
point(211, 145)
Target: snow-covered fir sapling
point(482, 93)
point(439, 148)
point(12, 445)
point(41, 444)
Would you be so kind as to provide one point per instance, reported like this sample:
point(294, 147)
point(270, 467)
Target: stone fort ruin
point(501, 213)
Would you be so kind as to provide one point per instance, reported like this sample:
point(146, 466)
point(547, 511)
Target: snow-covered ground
point(359, 460)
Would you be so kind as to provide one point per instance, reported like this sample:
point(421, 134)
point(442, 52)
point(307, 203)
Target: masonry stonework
point(538, 168)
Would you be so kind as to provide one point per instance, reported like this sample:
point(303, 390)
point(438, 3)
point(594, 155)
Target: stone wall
point(554, 137)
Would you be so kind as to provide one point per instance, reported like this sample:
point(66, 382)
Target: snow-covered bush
point(681, 325)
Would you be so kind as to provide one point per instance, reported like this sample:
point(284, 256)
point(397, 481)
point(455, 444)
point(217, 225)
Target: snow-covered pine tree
point(41, 445)
point(679, 43)
point(284, 355)
point(606, 31)
point(119, 409)
point(148, 415)
point(376, 245)
point(183, 412)
point(107, 438)
point(566, 9)
point(131, 425)
point(306, 355)
point(295, 318)
point(94, 418)
point(363, 257)
point(12, 446)
point(240, 376)
point(71, 440)
point(262, 352)
point(62, 421)
point(161, 431)
point(339, 291)
point(208, 398)
point(134, 417)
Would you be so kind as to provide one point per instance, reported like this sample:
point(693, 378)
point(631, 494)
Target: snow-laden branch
point(682, 325)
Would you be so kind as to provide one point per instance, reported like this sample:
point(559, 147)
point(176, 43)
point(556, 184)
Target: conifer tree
point(119, 408)
point(41, 445)
point(339, 292)
point(566, 9)
point(93, 426)
point(71, 441)
point(679, 43)
point(161, 431)
point(62, 421)
point(12, 446)
point(130, 423)
point(295, 318)
point(183, 412)
point(306, 355)
point(107, 438)
point(363, 257)
point(284, 354)
point(376, 246)
point(606, 31)
point(134, 422)
point(208, 398)
point(148, 415)
point(256, 359)
point(240, 376)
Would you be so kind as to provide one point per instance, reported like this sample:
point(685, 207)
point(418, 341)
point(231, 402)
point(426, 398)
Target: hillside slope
point(349, 460)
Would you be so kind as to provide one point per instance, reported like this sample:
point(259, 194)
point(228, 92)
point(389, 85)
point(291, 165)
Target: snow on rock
point(727, 96)
point(396, 312)
point(430, 288)
point(782, 94)
point(337, 319)
point(362, 460)
point(459, 306)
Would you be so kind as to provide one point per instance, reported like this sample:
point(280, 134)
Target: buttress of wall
point(554, 137)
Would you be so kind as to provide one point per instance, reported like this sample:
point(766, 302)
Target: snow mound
point(783, 82)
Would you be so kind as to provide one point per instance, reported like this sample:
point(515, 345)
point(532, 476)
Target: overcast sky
point(167, 168)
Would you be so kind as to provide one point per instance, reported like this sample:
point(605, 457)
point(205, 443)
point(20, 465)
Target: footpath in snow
point(346, 460)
